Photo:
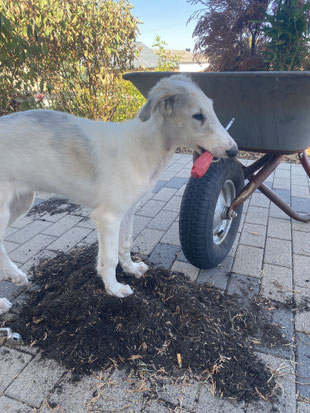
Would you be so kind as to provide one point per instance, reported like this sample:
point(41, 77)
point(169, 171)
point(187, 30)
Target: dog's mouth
point(202, 150)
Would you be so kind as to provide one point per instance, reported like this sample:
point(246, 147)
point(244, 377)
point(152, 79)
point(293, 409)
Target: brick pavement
point(270, 256)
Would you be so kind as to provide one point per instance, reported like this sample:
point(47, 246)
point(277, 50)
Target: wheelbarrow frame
point(271, 111)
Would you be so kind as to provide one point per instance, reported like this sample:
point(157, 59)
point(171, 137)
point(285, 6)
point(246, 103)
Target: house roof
point(147, 57)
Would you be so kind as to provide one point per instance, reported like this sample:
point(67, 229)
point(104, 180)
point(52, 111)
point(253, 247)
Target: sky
point(166, 18)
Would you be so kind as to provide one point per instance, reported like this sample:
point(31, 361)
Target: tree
point(83, 48)
point(287, 31)
point(167, 61)
point(229, 33)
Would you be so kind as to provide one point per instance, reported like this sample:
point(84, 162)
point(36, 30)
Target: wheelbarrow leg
point(283, 205)
point(255, 181)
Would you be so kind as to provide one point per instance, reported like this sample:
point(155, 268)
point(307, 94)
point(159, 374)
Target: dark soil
point(54, 206)
point(168, 325)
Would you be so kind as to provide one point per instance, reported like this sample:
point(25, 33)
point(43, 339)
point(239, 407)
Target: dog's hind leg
point(108, 227)
point(12, 205)
point(125, 242)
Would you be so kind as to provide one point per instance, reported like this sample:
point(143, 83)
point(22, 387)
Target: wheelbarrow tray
point(271, 109)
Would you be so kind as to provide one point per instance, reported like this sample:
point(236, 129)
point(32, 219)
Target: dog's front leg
point(125, 241)
point(108, 226)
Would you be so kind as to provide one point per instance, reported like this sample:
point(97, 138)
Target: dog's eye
point(199, 116)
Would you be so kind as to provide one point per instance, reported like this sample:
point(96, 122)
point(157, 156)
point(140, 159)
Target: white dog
point(107, 167)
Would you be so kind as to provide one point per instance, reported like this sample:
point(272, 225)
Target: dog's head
point(186, 117)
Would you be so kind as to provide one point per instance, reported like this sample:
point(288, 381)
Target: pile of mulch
point(54, 206)
point(168, 325)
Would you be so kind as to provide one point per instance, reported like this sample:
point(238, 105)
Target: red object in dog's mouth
point(201, 165)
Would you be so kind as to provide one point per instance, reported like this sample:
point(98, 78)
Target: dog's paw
point(17, 277)
point(5, 305)
point(136, 268)
point(119, 290)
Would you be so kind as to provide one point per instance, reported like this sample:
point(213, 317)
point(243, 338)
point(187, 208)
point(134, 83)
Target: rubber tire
point(197, 214)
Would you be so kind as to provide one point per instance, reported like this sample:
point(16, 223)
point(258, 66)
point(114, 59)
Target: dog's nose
point(232, 151)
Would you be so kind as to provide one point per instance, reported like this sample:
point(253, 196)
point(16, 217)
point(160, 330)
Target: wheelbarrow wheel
point(206, 236)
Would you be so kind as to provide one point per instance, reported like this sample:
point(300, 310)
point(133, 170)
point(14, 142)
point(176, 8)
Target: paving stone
point(278, 252)
point(172, 235)
point(187, 269)
point(303, 365)
point(216, 277)
point(300, 226)
point(156, 407)
point(281, 183)
point(176, 182)
point(69, 239)
point(36, 381)
point(92, 238)
point(8, 405)
point(163, 220)
point(184, 173)
point(301, 243)
point(282, 173)
point(299, 179)
point(139, 223)
point(52, 218)
point(146, 197)
point(147, 241)
point(208, 403)
point(23, 253)
point(158, 186)
point(300, 191)
point(10, 290)
point(301, 265)
point(72, 396)
point(35, 260)
point(248, 261)
point(243, 286)
point(62, 226)
point(259, 200)
point(233, 249)
point(29, 231)
point(181, 256)
point(276, 283)
point(175, 167)
point(180, 191)
point(276, 212)
point(22, 221)
point(10, 246)
point(297, 169)
point(12, 363)
point(287, 397)
point(303, 407)
point(183, 395)
point(164, 194)
point(166, 176)
point(164, 255)
point(86, 223)
point(284, 194)
point(39, 242)
point(253, 235)
point(302, 322)
point(118, 395)
point(151, 208)
point(301, 205)
point(173, 204)
point(279, 228)
point(256, 215)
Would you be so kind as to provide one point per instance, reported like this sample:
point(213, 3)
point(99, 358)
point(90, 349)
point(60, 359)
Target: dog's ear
point(147, 109)
point(164, 105)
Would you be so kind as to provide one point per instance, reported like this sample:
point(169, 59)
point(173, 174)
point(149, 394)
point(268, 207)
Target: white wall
point(192, 67)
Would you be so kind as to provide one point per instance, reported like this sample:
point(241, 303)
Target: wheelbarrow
point(271, 111)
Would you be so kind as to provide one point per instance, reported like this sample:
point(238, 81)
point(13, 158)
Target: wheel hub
point(221, 223)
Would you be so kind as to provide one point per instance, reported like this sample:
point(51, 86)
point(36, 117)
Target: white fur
point(104, 166)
